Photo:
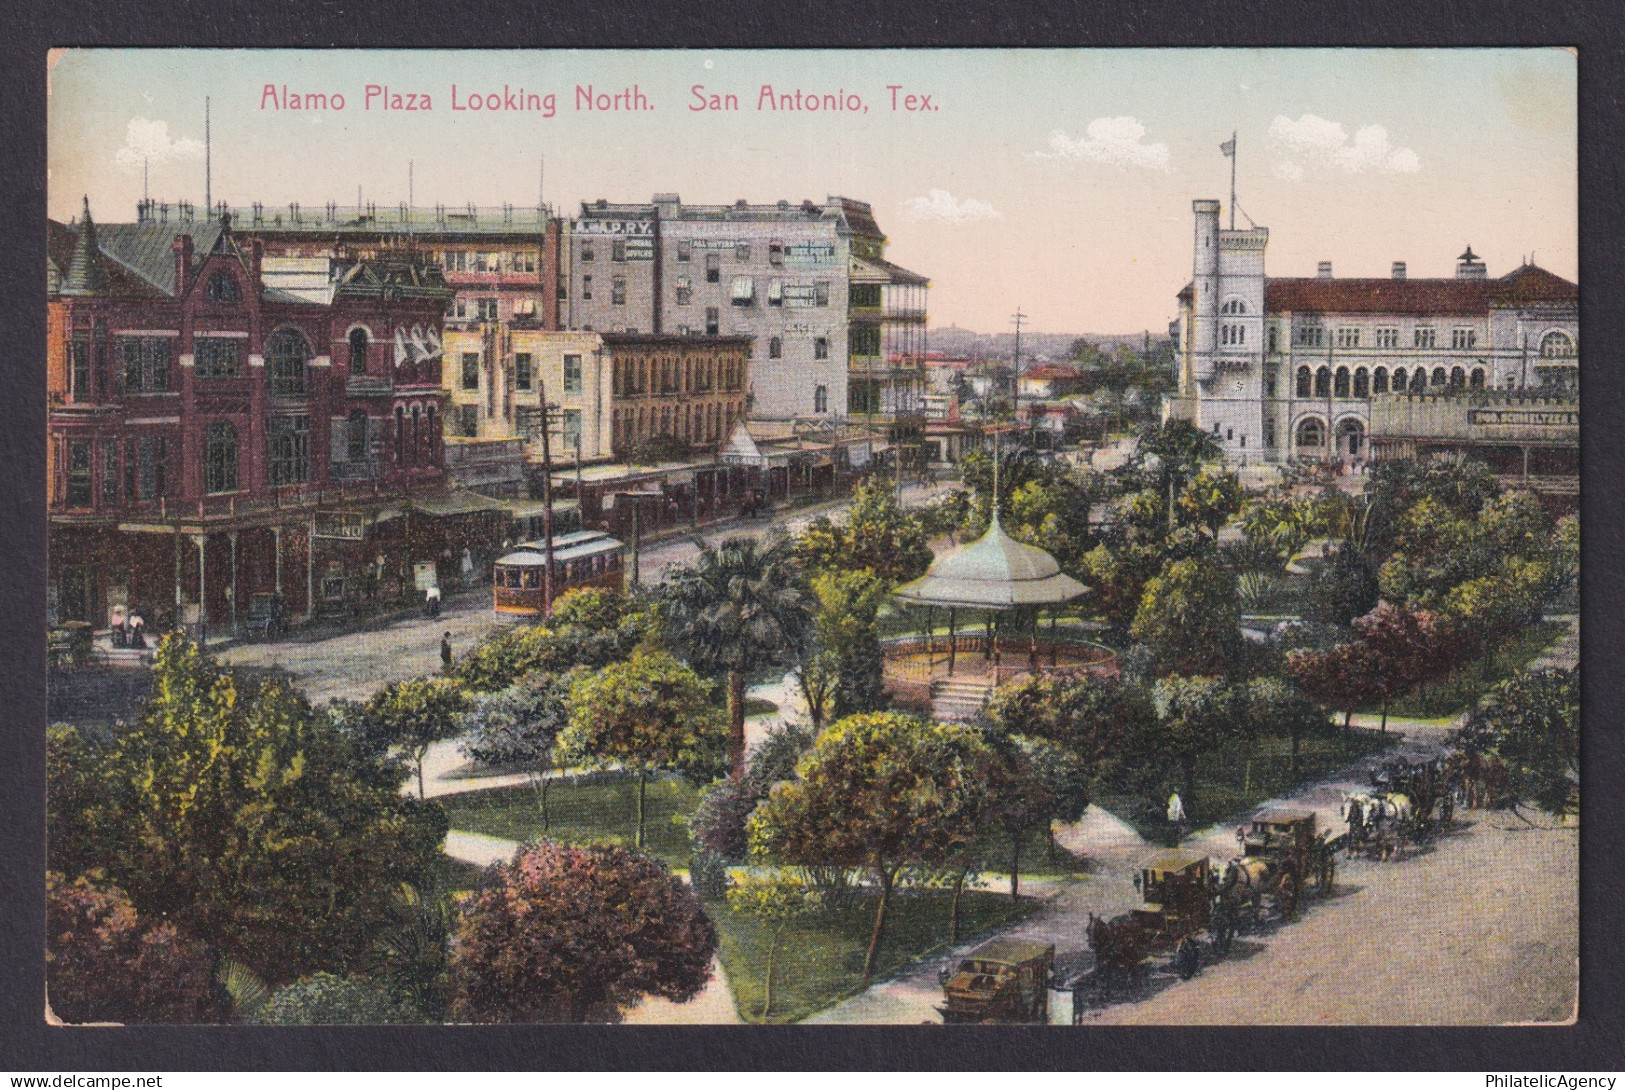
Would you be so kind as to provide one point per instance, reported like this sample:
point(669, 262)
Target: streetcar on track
point(586, 558)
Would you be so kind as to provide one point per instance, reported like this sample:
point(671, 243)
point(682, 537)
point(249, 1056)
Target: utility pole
point(547, 501)
point(208, 165)
point(1233, 181)
point(1018, 318)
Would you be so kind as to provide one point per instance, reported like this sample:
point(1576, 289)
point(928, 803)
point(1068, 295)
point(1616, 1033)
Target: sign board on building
point(341, 526)
point(425, 575)
point(614, 227)
point(1528, 418)
point(809, 253)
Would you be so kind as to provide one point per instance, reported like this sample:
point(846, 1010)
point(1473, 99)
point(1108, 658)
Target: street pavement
point(355, 664)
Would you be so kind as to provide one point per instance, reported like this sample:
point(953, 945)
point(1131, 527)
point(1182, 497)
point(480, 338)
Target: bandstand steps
point(959, 700)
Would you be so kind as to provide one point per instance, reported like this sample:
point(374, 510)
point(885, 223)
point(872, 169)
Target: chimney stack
point(183, 263)
point(1399, 270)
point(1324, 271)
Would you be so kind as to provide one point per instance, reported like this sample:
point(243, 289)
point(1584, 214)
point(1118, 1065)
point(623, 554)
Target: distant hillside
point(955, 341)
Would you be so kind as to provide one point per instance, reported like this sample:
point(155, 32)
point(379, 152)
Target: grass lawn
point(1462, 690)
point(820, 960)
point(455, 876)
point(1228, 784)
point(597, 809)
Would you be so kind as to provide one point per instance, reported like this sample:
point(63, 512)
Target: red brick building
point(225, 426)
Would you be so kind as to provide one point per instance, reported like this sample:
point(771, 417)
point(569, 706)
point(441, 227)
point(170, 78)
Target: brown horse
point(1120, 946)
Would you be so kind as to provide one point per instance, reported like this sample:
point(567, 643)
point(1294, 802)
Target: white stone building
point(1271, 366)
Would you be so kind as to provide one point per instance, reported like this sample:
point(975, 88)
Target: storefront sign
point(341, 526)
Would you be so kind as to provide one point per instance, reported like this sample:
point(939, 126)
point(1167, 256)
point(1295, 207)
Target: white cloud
point(148, 142)
point(940, 205)
point(1115, 140)
point(1315, 141)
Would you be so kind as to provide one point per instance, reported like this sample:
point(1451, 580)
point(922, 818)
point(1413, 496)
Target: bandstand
point(1005, 585)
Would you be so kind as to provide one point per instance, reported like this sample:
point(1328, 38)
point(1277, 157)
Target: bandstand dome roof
point(993, 572)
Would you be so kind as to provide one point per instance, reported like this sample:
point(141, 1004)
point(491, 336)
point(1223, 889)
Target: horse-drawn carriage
point(1281, 854)
point(1178, 906)
point(1408, 802)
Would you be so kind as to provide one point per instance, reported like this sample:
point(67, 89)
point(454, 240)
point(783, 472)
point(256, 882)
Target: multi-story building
point(680, 393)
point(835, 329)
point(502, 263)
point(1285, 369)
point(226, 426)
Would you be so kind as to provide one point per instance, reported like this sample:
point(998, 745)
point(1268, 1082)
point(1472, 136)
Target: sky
point(1056, 181)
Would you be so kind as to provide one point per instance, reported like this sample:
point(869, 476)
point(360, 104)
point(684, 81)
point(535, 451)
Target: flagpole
point(1232, 180)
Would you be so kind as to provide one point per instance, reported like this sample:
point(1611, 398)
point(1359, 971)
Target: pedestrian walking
point(431, 600)
point(445, 653)
point(1176, 816)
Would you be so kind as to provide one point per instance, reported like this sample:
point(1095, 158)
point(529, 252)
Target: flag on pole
point(1229, 147)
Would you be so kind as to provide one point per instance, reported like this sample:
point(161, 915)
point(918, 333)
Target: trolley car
point(586, 558)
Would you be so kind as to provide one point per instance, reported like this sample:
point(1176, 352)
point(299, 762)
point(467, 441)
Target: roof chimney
point(1399, 270)
point(1324, 270)
point(183, 263)
point(1469, 266)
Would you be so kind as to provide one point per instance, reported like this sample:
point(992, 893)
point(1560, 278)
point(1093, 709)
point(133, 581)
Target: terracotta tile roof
point(1525, 285)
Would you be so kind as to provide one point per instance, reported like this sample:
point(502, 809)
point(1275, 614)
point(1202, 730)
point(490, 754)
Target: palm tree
point(739, 608)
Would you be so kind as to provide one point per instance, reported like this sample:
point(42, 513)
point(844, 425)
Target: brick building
point(225, 425)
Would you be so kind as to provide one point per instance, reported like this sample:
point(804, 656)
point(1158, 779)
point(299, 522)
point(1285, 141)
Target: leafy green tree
point(1181, 449)
point(1190, 617)
point(880, 792)
point(1532, 723)
point(416, 713)
point(1342, 678)
point(1343, 588)
point(105, 963)
point(256, 825)
point(841, 669)
point(1032, 784)
point(777, 899)
point(649, 713)
point(571, 934)
point(520, 725)
point(324, 999)
point(1274, 705)
point(738, 608)
point(717, 826)
point(877, 535)
point(1280, 524)
point(82, 811)
point(1098, 720)
point(1460, 486)
point(1211, 499)
point(1196, 715)
point(589, 627)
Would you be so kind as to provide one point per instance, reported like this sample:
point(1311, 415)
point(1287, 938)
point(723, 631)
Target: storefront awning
point(455, 501)
point(525, 509)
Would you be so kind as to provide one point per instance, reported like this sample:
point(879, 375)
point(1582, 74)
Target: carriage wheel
point(1328, 875)
point(1286, 896)
point(1188, 958)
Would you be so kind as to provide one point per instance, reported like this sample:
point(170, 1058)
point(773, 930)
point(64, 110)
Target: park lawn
point(596, 809)
point(1229, 784)
point(456, 876)
point(820, 960)
point(1464, 688)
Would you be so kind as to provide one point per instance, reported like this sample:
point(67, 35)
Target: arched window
point(1399, 380)
point(400, 435)
point(1341, 384)
point(1362, 382)
point(222, 288)
point(1476, 379)
point(1379, 381)
point(416, 418)
point(1439, 377)
point(286, 355)
point(358, 351)
point(1351, 437)
point(775, 347)
point(1323, 382)
point(821, 399)
point(1419, 380)
point(1458, 378)
point(1233, 306)
point(220, 458)
point(1305, 379)
point(1556, 345)
point(1311, 432)
point(431, 424)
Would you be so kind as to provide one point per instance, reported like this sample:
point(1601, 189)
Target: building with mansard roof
point(1285, 369)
